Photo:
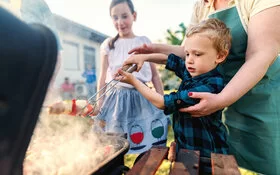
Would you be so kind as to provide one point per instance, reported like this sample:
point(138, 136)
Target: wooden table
point(187, 163)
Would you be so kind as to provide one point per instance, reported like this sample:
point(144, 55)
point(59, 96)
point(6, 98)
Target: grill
point(28, 60)
point(114, 164)
point(70, 147)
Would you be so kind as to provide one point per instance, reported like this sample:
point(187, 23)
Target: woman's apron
point(254, 120)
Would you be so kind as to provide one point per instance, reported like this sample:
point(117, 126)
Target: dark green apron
point(254, 120)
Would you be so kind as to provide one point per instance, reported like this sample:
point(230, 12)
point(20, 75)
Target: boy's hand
point(124, 77)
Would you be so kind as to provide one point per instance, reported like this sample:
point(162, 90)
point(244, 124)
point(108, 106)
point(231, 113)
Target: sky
point(154, 17)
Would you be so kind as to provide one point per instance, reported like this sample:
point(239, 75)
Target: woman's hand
point(144, 49)
point(209, 103)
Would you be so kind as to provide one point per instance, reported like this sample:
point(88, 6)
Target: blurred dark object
point(28, 55)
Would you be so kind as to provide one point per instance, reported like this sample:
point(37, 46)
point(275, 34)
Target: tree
point(176, 38)
point(170, 80)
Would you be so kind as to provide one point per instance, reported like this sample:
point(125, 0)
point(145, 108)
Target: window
point(89, 56)
point(70, 56)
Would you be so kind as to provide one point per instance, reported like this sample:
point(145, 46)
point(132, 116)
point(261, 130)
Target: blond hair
point(215, 30)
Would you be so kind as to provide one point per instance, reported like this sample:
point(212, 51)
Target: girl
point(124, 109)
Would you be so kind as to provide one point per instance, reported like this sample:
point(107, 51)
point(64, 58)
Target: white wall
point(76, 75)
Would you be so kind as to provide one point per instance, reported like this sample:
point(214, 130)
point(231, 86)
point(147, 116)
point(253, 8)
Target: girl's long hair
point(113, 4)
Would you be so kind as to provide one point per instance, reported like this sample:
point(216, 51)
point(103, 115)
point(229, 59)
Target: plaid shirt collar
point(213, 73)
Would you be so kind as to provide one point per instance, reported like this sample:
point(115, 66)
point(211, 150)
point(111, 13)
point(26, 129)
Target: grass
point(164, 168)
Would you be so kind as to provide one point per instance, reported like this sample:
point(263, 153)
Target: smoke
point(61, 144)
point(64, 145)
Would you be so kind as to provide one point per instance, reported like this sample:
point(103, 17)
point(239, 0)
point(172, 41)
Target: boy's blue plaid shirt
point(206, 134)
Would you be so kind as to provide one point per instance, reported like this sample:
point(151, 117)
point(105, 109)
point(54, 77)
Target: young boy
point(206, 46)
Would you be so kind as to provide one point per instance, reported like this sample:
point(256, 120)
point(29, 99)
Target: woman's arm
point(156, 80)
point(263, 48)
point(139, 59)
point(159, 48)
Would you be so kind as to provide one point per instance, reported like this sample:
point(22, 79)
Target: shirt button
point(178, 101)
point(185, 83)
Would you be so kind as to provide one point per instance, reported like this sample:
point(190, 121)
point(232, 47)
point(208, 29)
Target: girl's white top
point(119, 54)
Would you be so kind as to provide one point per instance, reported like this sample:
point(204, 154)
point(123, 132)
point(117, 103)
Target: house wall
point(76, 75)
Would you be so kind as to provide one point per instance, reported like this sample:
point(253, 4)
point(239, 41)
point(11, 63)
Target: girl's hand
point(144, 49)
point(209, 103)
point(135, 59)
